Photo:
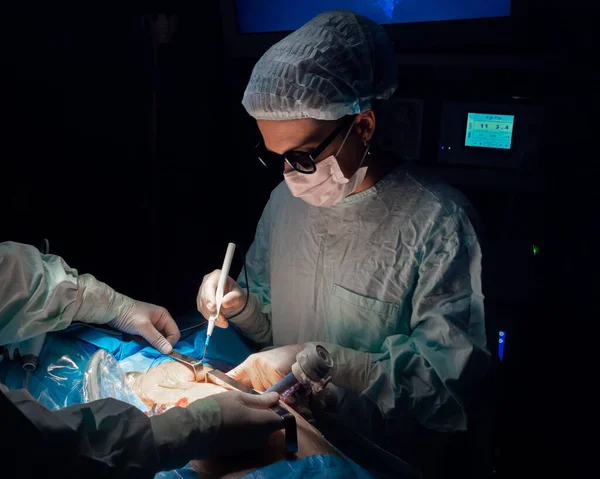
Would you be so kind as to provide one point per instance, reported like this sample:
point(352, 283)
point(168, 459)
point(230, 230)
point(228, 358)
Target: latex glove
point(98, 303)
point(352, 370)
point(229, 422)
point(261, 370)
point(246, 421)
point(152, 322)
point(234, 298)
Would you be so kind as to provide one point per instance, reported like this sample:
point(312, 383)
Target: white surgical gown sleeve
point(255, 320)
point(40, 293)
point(432, 373)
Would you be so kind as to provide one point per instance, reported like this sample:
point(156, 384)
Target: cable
point(45, 248)
point(247, 284)
point(195, 326)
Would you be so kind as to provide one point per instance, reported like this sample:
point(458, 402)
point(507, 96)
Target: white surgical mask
point(327, 186)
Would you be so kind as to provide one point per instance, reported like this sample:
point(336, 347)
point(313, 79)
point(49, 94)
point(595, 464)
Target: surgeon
point(106, 438)
point(371, 259)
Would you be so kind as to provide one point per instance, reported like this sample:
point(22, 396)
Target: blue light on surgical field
point(501, 341)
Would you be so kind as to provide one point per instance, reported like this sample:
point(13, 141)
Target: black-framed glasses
point(301, 161)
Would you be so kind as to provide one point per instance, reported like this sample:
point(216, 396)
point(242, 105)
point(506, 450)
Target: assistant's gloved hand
point(98, 303)
point(229, 422)
point(234, 298)
point(261, 370)
point(152, 322)
point(246, 421)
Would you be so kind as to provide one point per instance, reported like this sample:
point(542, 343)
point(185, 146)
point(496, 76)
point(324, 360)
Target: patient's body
point(172, 385)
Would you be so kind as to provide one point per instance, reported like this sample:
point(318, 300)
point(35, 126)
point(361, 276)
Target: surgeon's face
point(281, 136)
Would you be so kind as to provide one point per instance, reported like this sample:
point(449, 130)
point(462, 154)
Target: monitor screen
point(485, 130)
point(256, 16)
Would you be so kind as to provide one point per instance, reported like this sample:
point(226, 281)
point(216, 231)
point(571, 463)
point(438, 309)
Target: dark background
point(77, 167)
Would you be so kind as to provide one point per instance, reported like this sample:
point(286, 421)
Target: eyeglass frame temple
point(327, 141)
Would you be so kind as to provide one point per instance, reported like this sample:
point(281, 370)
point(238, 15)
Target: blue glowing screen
point(256, 16)
point(489, 131)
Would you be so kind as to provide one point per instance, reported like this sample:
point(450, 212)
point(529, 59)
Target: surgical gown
point(394, 271)
point(105, 438)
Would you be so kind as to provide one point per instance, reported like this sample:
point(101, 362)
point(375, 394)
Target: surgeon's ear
point(365, 125)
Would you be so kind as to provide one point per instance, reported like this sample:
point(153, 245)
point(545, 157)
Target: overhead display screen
point(256, 16)
point(485, 130)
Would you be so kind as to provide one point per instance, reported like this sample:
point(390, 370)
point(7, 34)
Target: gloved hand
point(234, 298)
point(229, 422)
point(246, 421)
point(98, 303)
point(261, 370)
point(352, 369)
point(153, 323)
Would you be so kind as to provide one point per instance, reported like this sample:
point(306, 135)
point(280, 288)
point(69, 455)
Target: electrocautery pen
point(219, 298)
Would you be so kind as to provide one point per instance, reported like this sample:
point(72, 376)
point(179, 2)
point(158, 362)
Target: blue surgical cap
point(335, 65)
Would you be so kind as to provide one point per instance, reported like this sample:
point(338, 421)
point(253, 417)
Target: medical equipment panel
point(490, 135)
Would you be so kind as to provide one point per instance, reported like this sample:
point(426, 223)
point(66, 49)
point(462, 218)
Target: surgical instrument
point(219, 296)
